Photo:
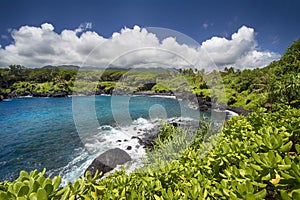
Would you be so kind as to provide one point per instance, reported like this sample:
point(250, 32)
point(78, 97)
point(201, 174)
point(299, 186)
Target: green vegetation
point(278, 83)
point(253, 157)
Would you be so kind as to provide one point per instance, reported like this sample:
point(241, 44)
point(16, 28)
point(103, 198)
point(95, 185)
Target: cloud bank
point(136, 47)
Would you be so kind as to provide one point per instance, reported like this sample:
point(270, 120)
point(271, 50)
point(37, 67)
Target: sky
point(241, 34)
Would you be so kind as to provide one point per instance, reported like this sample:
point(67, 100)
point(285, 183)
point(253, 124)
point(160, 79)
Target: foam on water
point(108, 138)
point(230, 113)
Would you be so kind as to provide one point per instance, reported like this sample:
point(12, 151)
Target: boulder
point(108, 160)
point(129, 148)
point(40, 94)
point(59, 94)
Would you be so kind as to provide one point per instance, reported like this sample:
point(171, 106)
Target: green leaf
point(266, 177)
point(3, 195)
point(48, 188)
point(56, 182)
point(61, 191)
point(42, 194)
point(34, 185)
point(33, 196)
point(296, 169)
point(23, 191)
point(297, 146)
point(296, 194)
point(24, 174)
point(286, 176)
point(16, 187)
point(123, 193)
point(21, 198)
point(256, 167)
point(261, 185)
point(284, 195)
point(156, 197)
point(287, 147)
point(170, 193)
point(66, 194)
point(256, 157)
point(284, 167)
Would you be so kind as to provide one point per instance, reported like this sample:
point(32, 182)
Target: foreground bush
point(257, 157)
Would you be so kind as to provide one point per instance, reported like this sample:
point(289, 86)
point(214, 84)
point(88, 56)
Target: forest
point(254, 157)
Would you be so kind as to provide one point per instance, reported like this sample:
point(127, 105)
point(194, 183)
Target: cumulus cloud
point(240, 51)
point(130, 47)
point(47, 26)
point(83, 27)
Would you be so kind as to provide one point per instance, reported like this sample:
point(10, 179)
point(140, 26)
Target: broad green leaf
point(156, 197)
point(284, 195)
point(297, 146)
point(41, 194)
point(33, 196)
point(287, 147)
point(56, 182)
point(23, 191)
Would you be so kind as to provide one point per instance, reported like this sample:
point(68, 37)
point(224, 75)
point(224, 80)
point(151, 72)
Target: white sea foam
point(110, 137)
point(164, 96)
point(230, 113)
point(107, 138)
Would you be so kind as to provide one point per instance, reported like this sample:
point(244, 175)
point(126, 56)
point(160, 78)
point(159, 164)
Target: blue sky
point(276, 24)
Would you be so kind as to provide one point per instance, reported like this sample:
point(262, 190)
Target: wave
point(110, 137)
point(107, 138)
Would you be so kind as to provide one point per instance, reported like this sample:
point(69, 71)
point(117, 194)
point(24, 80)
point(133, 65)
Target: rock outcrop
point(108, 160)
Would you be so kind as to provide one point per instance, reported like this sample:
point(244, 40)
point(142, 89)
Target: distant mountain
point(84, 68)
point(71, 67)
point(92, 68)
point(88, 68)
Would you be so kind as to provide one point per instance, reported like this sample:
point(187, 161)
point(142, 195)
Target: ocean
point(64, 135)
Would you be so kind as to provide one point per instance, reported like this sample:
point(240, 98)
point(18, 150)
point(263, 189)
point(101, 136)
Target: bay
point(37, 133)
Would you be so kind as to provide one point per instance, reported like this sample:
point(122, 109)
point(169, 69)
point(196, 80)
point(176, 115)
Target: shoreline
point(203, 104)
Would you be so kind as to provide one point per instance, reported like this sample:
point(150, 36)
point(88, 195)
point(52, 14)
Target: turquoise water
point(40, 132)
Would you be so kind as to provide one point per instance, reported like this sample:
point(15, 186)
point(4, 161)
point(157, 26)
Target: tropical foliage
point(254, 157)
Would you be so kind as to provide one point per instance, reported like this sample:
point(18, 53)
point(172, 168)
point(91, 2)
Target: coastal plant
point(31, 186)
point(254, 157)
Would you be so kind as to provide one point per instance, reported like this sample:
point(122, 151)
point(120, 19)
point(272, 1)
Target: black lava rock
point(108, 161)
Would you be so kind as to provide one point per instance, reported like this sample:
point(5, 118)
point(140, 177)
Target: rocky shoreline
point(203, 103)
point(110, 159)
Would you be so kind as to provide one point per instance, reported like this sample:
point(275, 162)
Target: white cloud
point(83, 27)
point(240, 51)
point(136, 47)
point(88, 25)
point(47, 26)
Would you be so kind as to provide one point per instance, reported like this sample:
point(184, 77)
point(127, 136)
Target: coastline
point(203, 104)
point(146, 137)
